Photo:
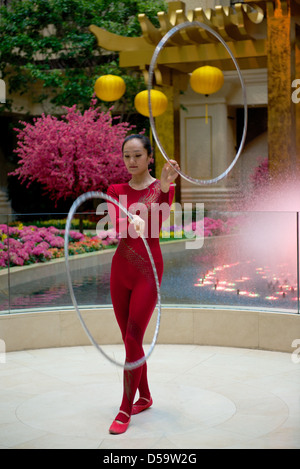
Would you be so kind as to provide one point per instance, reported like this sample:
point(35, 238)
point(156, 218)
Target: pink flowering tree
point(76, 153)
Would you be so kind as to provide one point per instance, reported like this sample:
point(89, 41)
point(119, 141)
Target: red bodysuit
point(133, 287)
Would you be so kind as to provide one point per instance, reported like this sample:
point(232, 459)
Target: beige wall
point(227, 328)
point(208, 149)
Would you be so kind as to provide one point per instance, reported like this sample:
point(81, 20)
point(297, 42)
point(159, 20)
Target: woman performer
point(132, 283)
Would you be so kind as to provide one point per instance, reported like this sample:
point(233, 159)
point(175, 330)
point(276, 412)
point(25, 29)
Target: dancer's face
point(136, 157)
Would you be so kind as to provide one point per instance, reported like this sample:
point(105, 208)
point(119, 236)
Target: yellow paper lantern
point(207, 80)
point(159, 103)
point(109, 87)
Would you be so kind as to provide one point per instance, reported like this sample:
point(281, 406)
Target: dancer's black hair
point(143, 138)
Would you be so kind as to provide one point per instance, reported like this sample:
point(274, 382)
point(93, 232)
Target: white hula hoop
point(156, 53)
point(73, 209)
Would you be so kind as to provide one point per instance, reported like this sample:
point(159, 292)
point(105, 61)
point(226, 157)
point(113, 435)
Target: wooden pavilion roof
point(243, 26)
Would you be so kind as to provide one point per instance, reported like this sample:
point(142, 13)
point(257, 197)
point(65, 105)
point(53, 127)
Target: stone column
point(167, 127)
point(281, 72)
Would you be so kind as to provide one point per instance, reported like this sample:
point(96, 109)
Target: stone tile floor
point(204, 397)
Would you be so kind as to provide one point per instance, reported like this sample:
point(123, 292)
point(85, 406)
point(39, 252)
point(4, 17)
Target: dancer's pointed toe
point(118, 427)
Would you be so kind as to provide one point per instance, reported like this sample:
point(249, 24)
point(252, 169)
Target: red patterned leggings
point(134, 297)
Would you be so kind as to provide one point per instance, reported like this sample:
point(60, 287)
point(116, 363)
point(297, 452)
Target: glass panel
point(31, 276)
point(90, 273)
point(44, 284)
point(4, 271)
point(248, 260)
point(253, 266)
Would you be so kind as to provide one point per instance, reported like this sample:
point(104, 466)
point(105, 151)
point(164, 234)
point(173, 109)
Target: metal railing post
point(298, 261)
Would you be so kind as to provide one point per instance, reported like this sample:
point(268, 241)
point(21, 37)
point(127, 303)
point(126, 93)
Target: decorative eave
point(114, 42)
point(240, 22)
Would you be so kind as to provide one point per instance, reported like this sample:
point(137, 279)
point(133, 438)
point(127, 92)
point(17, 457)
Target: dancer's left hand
point(168, 175)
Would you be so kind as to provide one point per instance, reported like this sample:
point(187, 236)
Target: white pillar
point(208, 149)
point(2, 91)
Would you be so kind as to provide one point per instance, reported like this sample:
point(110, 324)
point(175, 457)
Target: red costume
point(133, 287)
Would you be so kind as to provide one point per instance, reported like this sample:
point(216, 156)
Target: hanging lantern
point(207, 80)
point(159, 103)
point(109, 87)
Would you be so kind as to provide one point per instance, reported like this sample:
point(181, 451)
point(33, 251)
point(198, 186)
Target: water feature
point(238, 271)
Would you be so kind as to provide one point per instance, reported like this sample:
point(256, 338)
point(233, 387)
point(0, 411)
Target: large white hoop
point(73, 209)
point(156, 53)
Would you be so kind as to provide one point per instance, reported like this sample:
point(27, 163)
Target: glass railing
point(247, 260)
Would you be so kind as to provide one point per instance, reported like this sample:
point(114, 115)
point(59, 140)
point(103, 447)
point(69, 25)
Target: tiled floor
point(204, 397)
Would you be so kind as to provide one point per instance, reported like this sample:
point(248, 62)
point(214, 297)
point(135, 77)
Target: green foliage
point(48, 41)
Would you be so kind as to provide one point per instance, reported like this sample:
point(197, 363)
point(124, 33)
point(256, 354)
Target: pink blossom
point(53, 230)
point(43, 245)
point(77, 153)
point(76, 236)
point(34, 237)
point(15, 259)
point(4, 228)
point(260, 175)
point(13, 243)
point(24, 254)
point(3, 258)
point(57, 242)
point(40, 250)
point(29, 245)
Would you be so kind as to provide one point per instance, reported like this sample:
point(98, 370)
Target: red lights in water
point(277, 290)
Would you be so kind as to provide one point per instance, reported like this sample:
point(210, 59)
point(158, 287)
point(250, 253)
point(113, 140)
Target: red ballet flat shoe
point(138, 407)
point(118, 427)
